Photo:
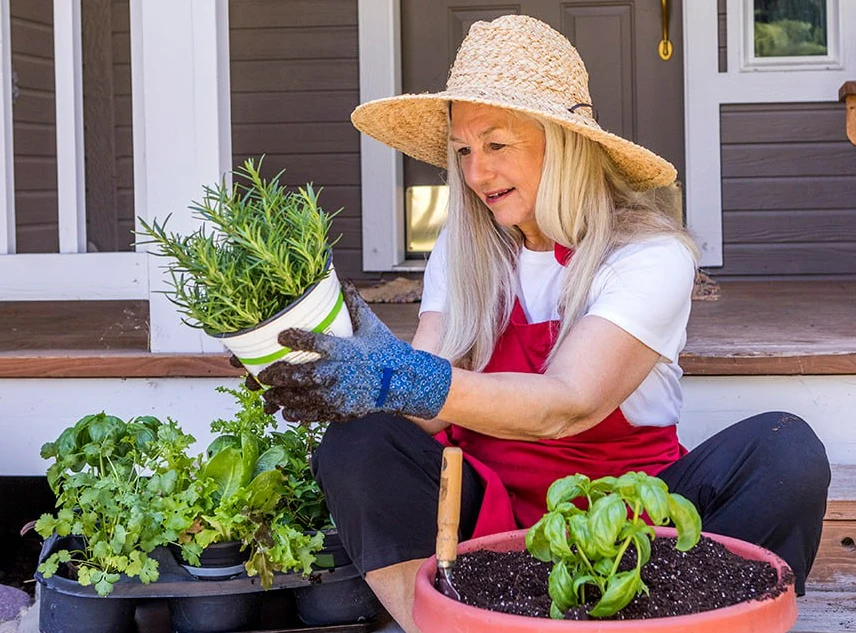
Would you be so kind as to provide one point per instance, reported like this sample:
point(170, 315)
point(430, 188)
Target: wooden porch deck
point(755, 328)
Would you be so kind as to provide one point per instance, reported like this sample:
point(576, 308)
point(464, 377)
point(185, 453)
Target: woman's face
point(501, 157)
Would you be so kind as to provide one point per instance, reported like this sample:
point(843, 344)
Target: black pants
point(762, 480)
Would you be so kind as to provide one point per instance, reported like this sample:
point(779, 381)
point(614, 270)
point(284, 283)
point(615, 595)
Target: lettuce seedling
point(587, 546)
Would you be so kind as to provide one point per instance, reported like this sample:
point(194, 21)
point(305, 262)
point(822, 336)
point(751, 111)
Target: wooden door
point(637, 95)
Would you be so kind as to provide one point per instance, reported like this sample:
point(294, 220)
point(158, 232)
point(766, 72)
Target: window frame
point(833, 60)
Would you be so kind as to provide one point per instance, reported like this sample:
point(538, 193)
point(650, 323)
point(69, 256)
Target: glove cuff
point(429, 385)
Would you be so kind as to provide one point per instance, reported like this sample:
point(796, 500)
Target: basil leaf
point(686, 520)
point(536, 541)
point(606, 518)
point(566, 489)
point(655, 500)
point(560, 587)
point(557, 535)
point(620, 590)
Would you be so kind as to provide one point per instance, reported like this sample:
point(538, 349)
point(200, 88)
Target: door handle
point(665, 48)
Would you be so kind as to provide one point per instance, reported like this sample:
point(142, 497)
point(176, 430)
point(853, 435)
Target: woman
point(554, 310)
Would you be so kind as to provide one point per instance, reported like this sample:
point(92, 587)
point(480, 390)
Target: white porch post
point(381, 167)
point(70, 178)
point(7, 174)
point(182, 131)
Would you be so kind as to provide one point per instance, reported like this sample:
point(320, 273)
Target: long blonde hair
point(583, 203)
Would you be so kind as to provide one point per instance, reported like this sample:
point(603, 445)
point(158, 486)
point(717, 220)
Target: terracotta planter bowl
point(435, 613)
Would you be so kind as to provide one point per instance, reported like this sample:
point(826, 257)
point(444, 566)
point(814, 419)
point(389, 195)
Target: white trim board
point(37, 410)
point(382, 174)
point(7, 164)
point(81, 277)
point(712, 403)
point(706, 89)
point(70, 178)
point(182, 139)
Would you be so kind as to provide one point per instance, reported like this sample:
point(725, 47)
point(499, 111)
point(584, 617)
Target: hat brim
point(416, 124)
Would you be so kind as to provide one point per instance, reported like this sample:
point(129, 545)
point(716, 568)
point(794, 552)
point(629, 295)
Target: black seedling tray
point(177, 582)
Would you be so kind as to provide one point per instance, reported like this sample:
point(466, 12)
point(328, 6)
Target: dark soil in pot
point(706, 577)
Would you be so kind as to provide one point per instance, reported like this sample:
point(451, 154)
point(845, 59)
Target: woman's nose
point(478, 169)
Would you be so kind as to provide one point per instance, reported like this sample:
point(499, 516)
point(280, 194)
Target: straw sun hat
point(514, 62)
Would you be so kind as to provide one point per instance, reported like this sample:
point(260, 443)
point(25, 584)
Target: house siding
point(34, 126)
point(788, 177)
point(294, 83)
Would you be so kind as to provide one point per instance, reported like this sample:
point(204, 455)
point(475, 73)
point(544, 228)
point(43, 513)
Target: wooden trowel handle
point(449, 506)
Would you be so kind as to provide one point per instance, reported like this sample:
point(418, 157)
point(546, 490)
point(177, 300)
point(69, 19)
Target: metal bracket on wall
point(847, 94)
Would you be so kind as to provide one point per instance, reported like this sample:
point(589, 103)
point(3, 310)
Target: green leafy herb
point(261, 247)
point(114, 482)
point(586, 547)
point(255, 486)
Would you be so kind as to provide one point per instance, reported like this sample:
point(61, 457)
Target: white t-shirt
point(644, 288)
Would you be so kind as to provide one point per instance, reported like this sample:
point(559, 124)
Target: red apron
point(516, 474)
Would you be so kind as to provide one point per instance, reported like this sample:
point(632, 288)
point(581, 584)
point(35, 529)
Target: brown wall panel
point(751, 227)
point(335, 42)
point(793, 259)
point(295, 81)
point(788, 204)
point(297, 138)
point(805, 159)
point(292, 75)
point(291, 13)
point(788, 193)
point(312, 106)
point(783, 123)
point(319, 169)
point(34, 126)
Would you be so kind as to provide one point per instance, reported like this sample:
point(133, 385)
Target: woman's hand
point(369, 372)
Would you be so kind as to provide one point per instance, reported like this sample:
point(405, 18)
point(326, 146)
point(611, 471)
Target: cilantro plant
point(114, 483)
point(586, 547)
point(259, 248)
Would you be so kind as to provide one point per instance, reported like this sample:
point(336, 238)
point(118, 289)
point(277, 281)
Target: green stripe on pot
point(279, 354)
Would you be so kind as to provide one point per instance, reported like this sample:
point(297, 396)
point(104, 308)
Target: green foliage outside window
point(790, 28)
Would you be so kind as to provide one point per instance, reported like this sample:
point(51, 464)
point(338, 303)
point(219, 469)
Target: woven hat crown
point(521, 56)
point(518, 63)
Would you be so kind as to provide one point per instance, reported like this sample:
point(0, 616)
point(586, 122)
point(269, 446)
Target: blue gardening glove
point(372, 371)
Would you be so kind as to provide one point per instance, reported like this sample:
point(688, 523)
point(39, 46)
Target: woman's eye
point(495, 146)
point(464, 151)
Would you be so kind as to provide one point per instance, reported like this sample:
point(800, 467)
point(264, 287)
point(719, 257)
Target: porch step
point(835, 566)
point(755, 328)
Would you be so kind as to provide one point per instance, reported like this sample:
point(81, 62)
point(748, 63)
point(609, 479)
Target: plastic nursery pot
point(217, 561)
point(64, 613)
point(320, 309)
point(216, 614)
point(343, 602)
point(435, 613)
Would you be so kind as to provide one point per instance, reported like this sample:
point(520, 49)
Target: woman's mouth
point(495, 196)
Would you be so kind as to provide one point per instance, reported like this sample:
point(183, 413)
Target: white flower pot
point(320, 309)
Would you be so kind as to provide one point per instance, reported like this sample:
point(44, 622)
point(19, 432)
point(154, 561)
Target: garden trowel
point(448, 519)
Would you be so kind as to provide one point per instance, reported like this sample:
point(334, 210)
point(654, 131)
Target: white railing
point(7, 172)
point(71, 273)
point(182, 139)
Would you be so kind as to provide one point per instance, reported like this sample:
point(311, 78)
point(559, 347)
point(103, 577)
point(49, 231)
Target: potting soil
point(706, 577)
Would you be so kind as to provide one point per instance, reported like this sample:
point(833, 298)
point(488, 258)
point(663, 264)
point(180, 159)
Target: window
point(791, 34)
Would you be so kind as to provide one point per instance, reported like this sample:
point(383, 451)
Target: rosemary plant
point(259, 249)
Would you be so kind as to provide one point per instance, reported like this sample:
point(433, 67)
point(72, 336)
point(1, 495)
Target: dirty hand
point(370, 372)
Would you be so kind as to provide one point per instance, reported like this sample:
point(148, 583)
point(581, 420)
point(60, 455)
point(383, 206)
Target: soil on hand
point(707, 577)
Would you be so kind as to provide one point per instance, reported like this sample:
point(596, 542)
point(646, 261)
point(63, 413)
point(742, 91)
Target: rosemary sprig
point(259, 249)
